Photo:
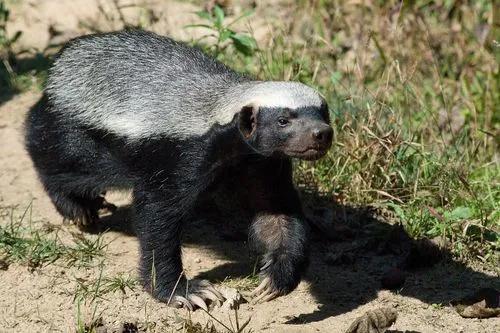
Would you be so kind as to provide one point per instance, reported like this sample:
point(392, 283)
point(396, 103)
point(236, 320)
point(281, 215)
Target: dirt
point(329, 299)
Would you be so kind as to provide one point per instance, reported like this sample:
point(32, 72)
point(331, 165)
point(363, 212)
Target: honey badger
point(135, 110)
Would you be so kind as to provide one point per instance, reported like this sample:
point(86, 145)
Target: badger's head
point(286, 118)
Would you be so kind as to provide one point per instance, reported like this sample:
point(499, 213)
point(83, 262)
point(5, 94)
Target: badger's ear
point(247, 120)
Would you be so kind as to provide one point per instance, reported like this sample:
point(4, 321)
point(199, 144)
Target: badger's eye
point(282, 122)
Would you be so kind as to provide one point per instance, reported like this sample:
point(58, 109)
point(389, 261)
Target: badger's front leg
point(284, 241)
point(159, 215)
point(278, 231)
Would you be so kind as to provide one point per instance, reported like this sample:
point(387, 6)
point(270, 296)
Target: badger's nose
point(323, 135)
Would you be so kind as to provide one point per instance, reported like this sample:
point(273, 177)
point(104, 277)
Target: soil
point(333, 294)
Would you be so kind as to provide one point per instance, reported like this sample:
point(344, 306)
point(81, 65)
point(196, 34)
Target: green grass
point(17, 74)
point(36, 244)
point(29, 246)
point(90, 290)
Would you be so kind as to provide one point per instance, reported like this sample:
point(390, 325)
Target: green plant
point(85, 249)
point(19, 69)
point(5, 41)
point(25, 241)
point(6, 54)
point(243, 43)
point(91, 326)
point(90, 290)
point(26, 244)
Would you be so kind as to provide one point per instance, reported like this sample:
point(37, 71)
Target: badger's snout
point(318, 143)
point(322, 135)
point(312, 143)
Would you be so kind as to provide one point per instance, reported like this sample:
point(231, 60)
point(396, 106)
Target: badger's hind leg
point(77, 196)
point(73, 167)
point(80, 209)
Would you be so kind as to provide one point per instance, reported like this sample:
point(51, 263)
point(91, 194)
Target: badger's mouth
point(309, 154)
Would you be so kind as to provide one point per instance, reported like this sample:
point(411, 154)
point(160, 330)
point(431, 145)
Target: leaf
point(459, 213)
point(219, 16)
point(335, 77)
point(204, 15)
point(225, 34)
point(244, 44)
point(398, 210)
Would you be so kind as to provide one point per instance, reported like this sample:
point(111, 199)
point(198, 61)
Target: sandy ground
point(328, 300)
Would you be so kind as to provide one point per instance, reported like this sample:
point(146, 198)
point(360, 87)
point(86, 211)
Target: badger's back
point(138, 84)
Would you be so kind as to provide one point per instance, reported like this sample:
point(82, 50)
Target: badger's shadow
point(349, 257)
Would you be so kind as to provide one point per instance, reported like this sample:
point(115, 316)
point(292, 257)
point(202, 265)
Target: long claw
point(269, 297)
point(207, 286)
point(197, 300)
point(262, 296)
point(217, 294)
point(184, 302)
point(175, 304)
point(199, 294)
point(209, 295)
point(260, 287)
point(266, 265)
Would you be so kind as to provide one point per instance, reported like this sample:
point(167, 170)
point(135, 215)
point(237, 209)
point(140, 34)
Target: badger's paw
point(85, 220)
point(105, 207)
point(198, 294)
point(87, 212)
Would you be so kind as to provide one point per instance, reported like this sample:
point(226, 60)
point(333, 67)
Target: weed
point(26, 242)
point(8, 78)
point(121, 283)
point(28, 245)
point(437, 306)
point(243, 43)
point(90, 326)
point(85, 249)
point(190, 327)
point(246, 283)
point(17, 74)
point(90, 290)
point(112, 13)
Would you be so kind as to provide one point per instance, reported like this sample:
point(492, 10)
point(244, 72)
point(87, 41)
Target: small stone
point(232, 296)
point(375, 321)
